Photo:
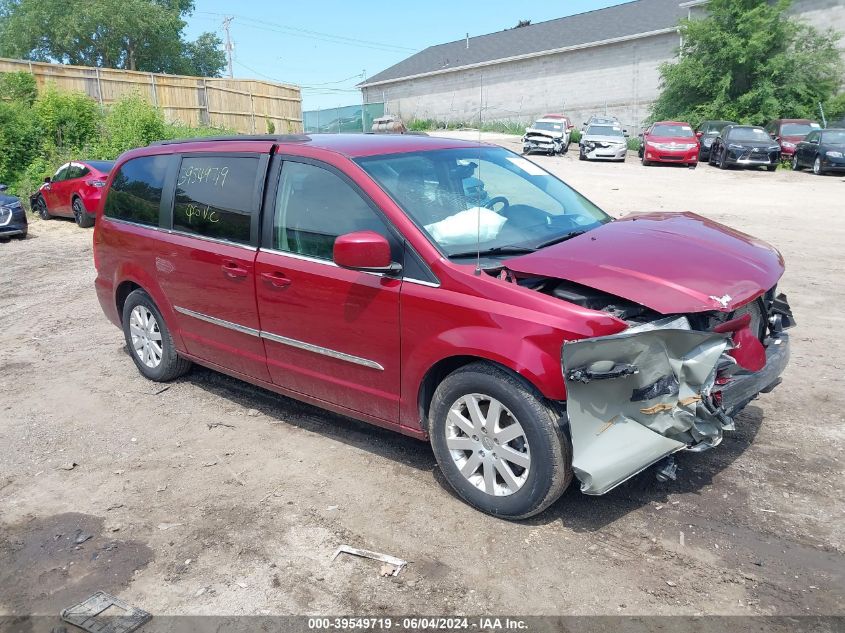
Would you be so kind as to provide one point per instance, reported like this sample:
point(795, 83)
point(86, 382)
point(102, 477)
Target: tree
point(128, 34)
point(747, 61)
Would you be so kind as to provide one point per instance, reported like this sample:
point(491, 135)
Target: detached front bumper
point(637, 397)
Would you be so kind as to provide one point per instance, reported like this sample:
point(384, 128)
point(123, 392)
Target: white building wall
point(621, 79)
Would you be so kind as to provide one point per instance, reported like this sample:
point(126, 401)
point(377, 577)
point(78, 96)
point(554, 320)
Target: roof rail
point(279, 138)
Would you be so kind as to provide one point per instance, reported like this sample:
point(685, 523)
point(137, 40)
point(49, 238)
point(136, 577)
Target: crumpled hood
point(550, 133)
point(669, 262)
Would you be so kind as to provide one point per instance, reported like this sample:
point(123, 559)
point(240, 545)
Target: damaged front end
point(537, 141)
point(659, 387)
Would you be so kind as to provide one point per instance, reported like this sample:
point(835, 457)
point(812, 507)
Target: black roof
point(621, 21)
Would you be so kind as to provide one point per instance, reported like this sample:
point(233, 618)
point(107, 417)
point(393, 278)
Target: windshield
point(684, 131)
point(604, 130)
point(748, 134)
point(714, 127)
point(797, 129)
point(547, 125)
point(488, 198)
point(835, 137)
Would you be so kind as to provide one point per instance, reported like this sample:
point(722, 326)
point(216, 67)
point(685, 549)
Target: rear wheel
point(149, 341)
point(41, 208)
point(497, 442)
point(82, 218)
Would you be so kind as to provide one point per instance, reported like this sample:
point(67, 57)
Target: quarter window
point(314, 206)
point(215, 197)
point(135, 193)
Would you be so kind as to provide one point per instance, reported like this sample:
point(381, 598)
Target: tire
point(41, 208)
point(581, 154)
point(82, 218)
point(565, 148)
point(795, 165)
point(818, 170)
point(170, 365)
point(645, 161)
point(723, 161)
point(771, 167)
point(542, 469)
point(692, 165)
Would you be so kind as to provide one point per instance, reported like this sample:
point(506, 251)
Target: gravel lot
point(209, 496)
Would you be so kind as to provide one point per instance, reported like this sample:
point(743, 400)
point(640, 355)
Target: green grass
point(502, 127)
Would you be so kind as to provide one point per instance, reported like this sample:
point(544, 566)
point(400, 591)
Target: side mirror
point(366, 251)
point(48, 180)
point(699, 134)
point(3, 187)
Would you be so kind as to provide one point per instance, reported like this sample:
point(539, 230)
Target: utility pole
point(229, 48)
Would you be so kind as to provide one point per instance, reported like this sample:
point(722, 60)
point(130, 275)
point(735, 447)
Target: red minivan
point(529, 336)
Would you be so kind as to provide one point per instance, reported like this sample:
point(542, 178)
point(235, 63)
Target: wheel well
point(123, 291)
point(435, 375)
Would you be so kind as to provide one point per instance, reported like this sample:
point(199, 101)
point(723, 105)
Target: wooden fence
point(242, 105)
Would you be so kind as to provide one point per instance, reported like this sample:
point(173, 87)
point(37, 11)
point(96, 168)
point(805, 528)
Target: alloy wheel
point(42, 209)
point(146, 336)
point(817, 166)
point(488, 444)
point(795, 162)
point(77, 211)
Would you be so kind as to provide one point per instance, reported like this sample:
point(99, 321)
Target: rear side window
point(135, 193)
point(215, 197)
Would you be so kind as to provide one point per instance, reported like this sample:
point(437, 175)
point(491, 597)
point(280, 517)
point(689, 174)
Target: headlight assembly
point(834, 154)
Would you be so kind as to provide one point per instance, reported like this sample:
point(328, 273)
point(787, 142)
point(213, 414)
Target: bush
point(634, 143)
point(67, 119)
point(39, 132)
point(20, 87)
point(575, 137)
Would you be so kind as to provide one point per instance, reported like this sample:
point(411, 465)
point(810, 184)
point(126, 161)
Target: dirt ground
point(210, 496)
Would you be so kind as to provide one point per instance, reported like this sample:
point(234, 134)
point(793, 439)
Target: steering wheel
point(494, 201)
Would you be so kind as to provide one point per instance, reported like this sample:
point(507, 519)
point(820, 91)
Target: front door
point(207, 268)
point(329, 332)
point(52, 193)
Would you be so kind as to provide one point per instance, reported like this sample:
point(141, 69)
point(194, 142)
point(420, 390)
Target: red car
point(789, 132)
point(525, 333)
point(670, 142)
point(73, 192)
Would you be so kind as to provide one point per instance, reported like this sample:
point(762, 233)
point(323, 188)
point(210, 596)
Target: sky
point(326, 47)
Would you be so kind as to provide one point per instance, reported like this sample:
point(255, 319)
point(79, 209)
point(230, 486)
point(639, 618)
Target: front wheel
point(795, 165)
point(818, 170)
point(41, 208)
point(497, 443)
point(771, 167)
point(149, 341)
point(723, 160)
point(581, 154)
point(83, 220)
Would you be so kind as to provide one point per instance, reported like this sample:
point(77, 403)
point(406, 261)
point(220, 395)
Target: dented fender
point(639, 396)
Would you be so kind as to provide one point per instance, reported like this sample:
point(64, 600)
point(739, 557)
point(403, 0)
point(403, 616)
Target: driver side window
point(315, 206)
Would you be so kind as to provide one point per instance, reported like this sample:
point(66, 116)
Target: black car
point(744, 146)
point(12, 216)
point(706, 132)
point(823, 150)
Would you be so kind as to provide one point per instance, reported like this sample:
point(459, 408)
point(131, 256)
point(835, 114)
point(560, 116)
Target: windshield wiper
point(559, 239)
point(496, 250)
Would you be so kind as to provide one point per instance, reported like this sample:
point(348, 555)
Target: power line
point(316, 88)
point(273, 27)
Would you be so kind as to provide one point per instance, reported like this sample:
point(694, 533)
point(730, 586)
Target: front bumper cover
point(636, 397)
